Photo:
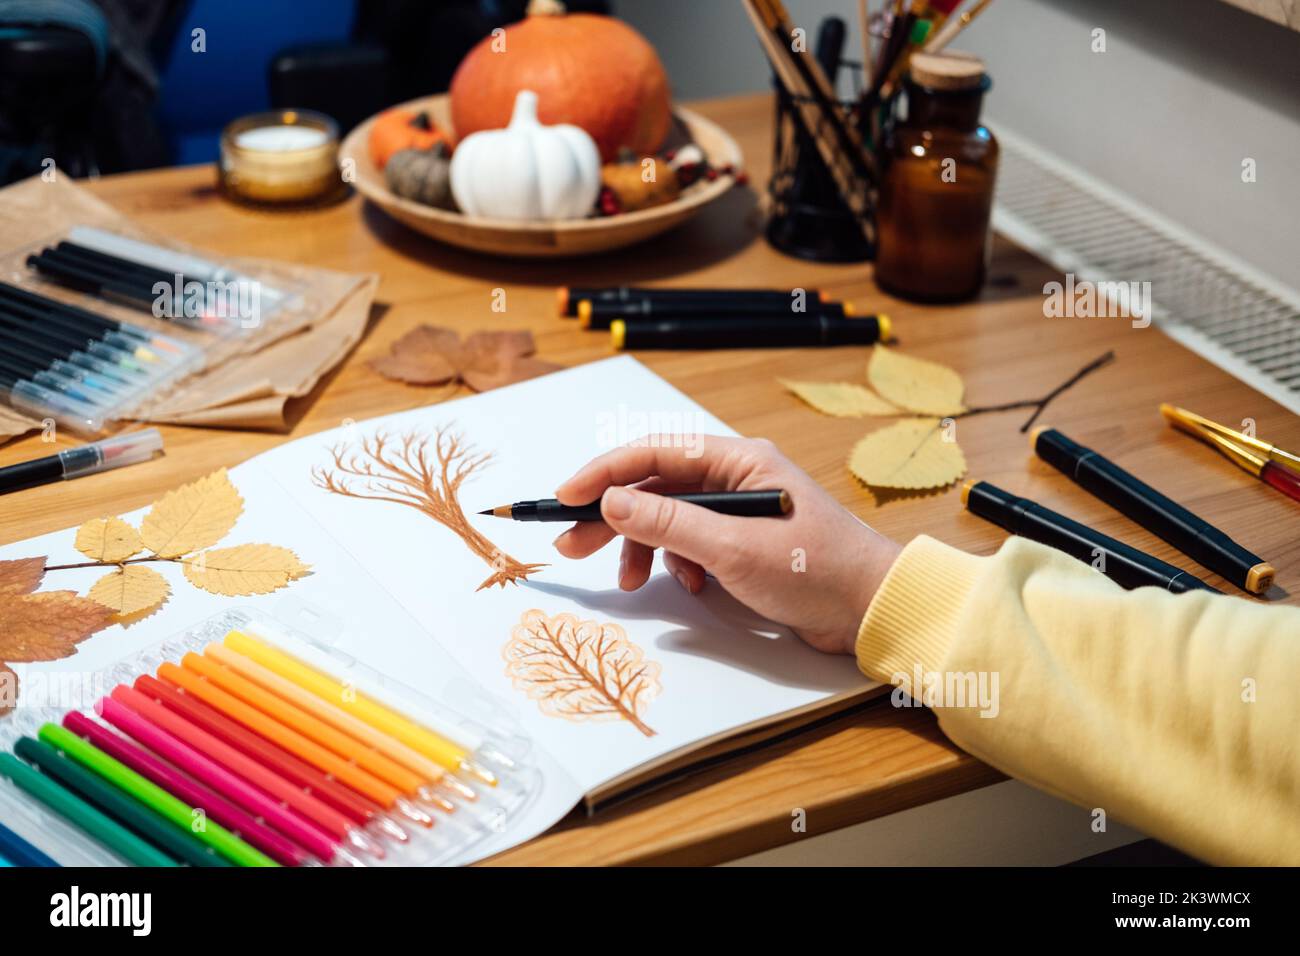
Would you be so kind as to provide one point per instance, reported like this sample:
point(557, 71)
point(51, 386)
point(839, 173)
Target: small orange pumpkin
point(590, 71)
point(398, 129)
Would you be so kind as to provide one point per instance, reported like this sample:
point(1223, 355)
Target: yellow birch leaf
point(108, 539)
point(192, 517)
point(244, 570)
point(840, 399)
point(915, 453)
point(131, 590)
point(915, 384)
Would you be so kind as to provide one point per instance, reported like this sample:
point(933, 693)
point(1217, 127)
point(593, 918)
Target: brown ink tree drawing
point(581, 670)
point(423, 472)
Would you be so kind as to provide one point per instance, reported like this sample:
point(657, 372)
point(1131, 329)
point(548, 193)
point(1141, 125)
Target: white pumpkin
point(527, 170)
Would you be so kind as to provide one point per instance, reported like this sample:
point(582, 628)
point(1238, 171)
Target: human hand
point(814, 570)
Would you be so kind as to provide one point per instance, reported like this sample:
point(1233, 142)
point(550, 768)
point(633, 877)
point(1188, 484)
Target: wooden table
point(863, 765)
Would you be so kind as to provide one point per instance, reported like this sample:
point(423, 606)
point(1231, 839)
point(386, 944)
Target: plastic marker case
point(444, 772)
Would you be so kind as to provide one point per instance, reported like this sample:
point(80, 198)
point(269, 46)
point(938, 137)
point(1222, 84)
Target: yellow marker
point(886, 325)
point(584, 312)
point(617, 333)
point(436, 748)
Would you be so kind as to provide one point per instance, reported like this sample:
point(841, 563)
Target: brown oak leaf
point(8, 689)
point(428, 355)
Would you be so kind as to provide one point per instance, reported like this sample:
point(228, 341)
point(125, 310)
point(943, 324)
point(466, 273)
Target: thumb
point(695, 533)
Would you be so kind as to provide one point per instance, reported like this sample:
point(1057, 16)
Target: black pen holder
point(808, 218)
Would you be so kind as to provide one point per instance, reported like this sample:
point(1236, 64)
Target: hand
point(814, 570)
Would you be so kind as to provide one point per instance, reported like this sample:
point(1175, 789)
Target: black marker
point(569, 299)
point(1192, 535)
point(599, 315)
point(1128, 567)
point(764, 332)
point(741, 504)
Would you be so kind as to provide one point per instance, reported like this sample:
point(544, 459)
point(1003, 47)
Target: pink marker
point(214, 775)
point(182, 787)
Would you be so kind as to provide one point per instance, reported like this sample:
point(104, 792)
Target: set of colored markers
point(647, 318)
point(257, 751)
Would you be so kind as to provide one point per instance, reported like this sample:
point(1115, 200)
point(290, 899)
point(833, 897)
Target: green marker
point(108, 832)
point(118, 805)
point(172, 810)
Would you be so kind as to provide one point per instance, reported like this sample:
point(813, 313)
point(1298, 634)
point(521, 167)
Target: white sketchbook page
point(721, 666)
point(370, 626)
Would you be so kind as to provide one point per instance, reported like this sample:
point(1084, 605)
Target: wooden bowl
point(572, 237)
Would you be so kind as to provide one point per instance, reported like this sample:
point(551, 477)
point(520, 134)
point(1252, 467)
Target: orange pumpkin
point(398, 129)
point(592, 71)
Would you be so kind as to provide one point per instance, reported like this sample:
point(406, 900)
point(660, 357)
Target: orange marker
point(349, 748)
point(192, 678)
point(337, 718)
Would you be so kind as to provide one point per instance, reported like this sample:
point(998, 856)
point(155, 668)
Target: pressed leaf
point(916, 385)
point(132, 590)
point(108, 539)
point(244, 570)
point(841, 399)
point(22, 576)
point(423, 356)
point(428, 355)
point(581, 670)
point(8, 689)
point(915, 453)
point(192, 517)
point(48, 626)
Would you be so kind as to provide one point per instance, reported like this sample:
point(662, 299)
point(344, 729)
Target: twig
point(1040, 404)
point(108, 564)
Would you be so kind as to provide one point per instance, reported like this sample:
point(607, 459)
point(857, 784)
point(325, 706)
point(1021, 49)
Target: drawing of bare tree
point(423, 472)
point(581, 670)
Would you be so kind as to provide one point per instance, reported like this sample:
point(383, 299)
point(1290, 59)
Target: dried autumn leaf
point(22, 576)
point(581, 670)
point(108, 539)
point(244, 570)
point(927, 388)
point(840, 399)
point(428, 355)
point(48, 626)
point(915, 453)
point(192, 517)
point(422, 356)
point(131, 591)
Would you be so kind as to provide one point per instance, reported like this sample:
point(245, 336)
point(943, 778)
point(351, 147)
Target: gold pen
point(1181, 416)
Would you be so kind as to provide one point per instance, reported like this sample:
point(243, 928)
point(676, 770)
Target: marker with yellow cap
point(763, 332)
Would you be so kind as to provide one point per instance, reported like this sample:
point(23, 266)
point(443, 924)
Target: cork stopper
point(950, 70)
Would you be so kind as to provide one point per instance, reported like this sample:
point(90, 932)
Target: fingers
point(694, 533)
point(635, 564)
point(705, 458)
point(688, 574)
point(584, 539)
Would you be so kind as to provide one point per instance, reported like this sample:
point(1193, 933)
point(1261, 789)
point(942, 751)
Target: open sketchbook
point(401, 572)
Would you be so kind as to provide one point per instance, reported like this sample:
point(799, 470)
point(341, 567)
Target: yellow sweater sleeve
point(1177, 714)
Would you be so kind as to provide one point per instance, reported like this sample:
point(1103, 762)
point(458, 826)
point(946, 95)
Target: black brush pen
point(1194, 536)
point(1126, 566)
point(741, 504)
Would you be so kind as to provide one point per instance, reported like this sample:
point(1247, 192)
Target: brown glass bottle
point(936, 193)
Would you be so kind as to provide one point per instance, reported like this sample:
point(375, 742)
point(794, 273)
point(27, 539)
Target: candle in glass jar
point(282, 157)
